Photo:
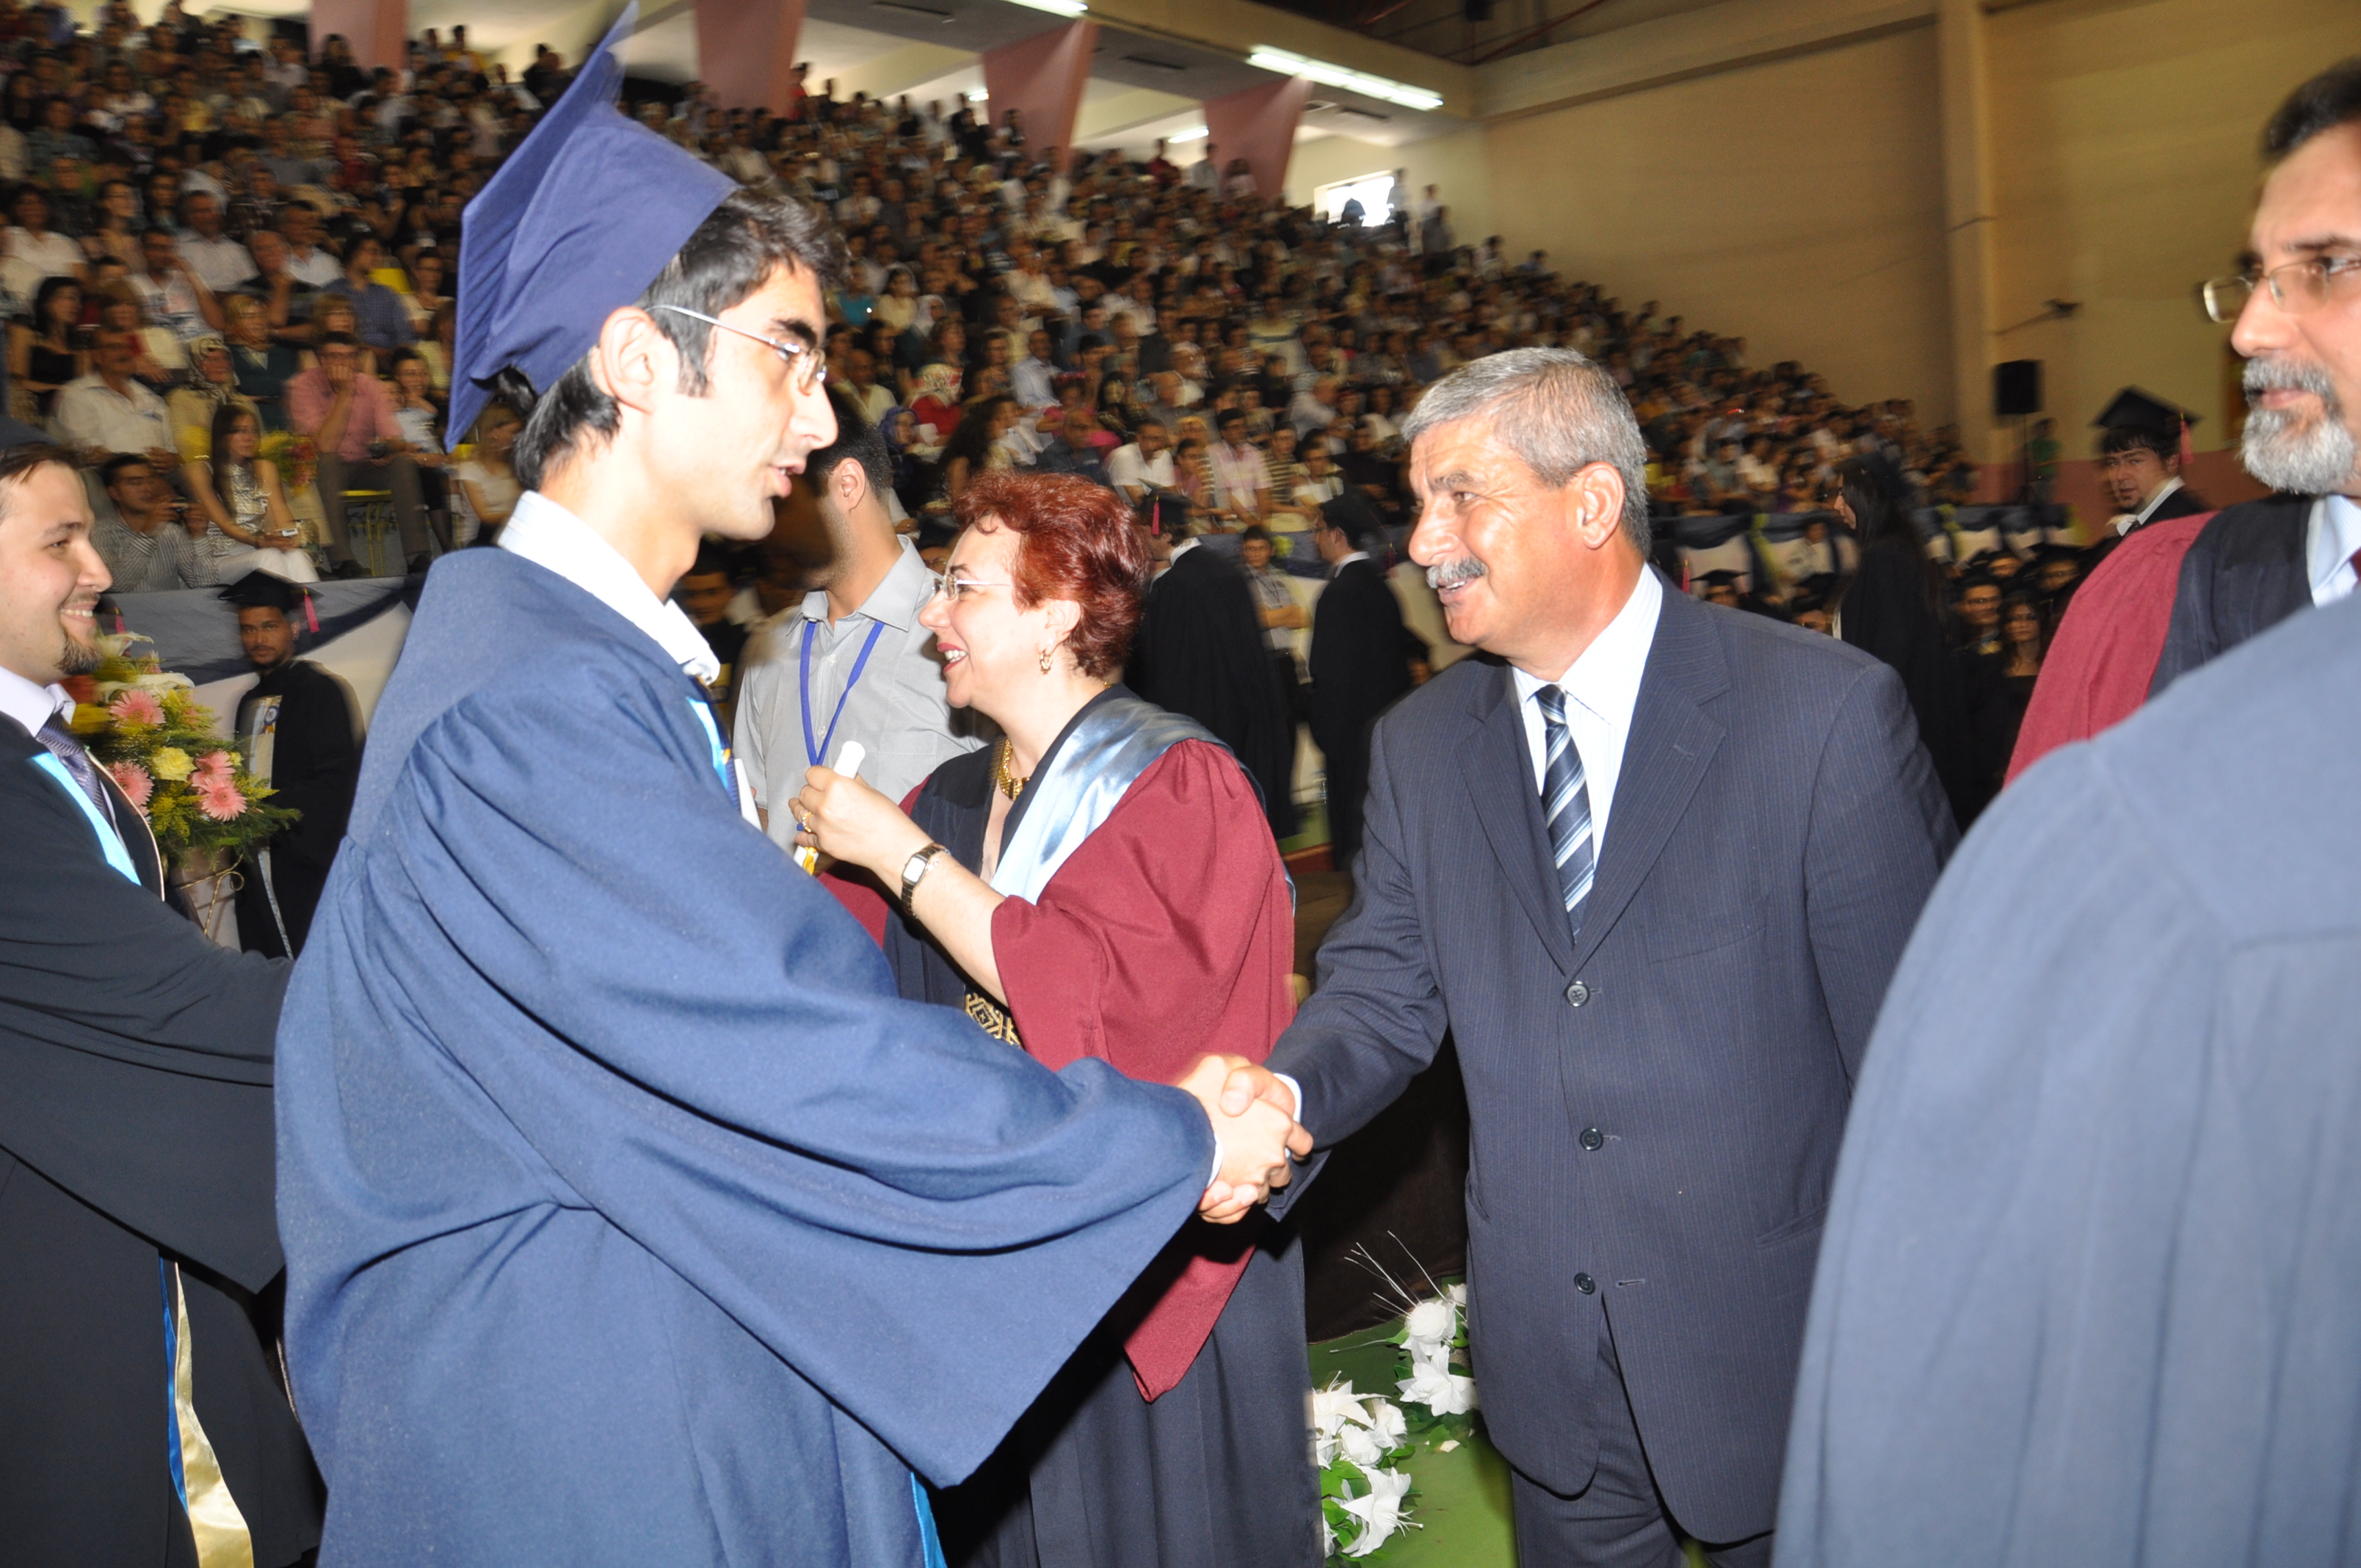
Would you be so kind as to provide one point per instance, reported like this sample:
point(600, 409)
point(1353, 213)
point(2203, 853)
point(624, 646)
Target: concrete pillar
point(379, 30)
point(746, 50)
point(1041, 77)
point(1964, 76)
point(1258, 124)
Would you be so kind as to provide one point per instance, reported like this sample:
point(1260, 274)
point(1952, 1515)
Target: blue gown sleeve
point(690, 1037)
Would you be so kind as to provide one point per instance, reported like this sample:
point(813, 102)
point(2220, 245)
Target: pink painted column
point(1258, 124)
point(1042, 78)
point(379, 30)
point(746, 50)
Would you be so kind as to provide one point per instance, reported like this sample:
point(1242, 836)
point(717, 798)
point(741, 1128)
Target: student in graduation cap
point(2139, 457)
point(630, 1217)
point(296, 724)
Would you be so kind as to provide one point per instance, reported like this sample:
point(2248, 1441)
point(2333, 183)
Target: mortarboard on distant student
point(631, 1218)
point(2142, 446)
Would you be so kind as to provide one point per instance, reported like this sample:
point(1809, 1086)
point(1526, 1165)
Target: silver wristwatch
point(914, 869)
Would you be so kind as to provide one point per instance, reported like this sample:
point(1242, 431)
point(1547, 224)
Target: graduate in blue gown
point(629, 1218)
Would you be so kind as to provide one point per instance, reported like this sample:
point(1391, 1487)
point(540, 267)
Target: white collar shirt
point(2148, 509)
point(32, 706)
point(2332, 538)
point(1602, 688)
point(899, 710)
point(546, 534)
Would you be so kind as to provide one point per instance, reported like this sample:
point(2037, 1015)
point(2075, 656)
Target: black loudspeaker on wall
point(2017, 389)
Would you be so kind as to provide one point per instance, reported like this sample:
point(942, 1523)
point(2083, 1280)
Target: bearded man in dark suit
point(1651, 863)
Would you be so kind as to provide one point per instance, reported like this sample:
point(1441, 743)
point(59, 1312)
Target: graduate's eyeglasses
point(957, 588)
point(2298, 287)
point(803, 361)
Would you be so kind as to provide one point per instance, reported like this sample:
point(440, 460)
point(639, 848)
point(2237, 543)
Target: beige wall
point(1458, 165)
point(2124, 139)
point(1796, 202)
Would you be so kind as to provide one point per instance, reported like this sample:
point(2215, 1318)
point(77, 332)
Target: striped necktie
point(62, 745)
point(1565, 807)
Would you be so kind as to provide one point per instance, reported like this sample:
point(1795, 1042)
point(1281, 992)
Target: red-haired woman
point(1102, 883)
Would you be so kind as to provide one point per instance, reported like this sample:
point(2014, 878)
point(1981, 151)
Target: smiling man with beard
point(2181, 593)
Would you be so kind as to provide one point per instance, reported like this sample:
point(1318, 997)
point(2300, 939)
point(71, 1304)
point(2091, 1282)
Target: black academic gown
point(2086, 1293)
point(1360, 666)
point(1885, 613)
point(2243, 573)
point(1200, 651)
point(315, 766)
point(134, 1126)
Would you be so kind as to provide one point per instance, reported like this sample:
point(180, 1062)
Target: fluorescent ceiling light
point(1291, 64)
point(1062, 7)
point(1195, 133)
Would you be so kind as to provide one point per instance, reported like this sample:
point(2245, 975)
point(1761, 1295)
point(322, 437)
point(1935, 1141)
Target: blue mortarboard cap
point(576, 223)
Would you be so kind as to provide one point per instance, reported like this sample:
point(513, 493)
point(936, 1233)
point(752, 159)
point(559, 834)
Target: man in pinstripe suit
point(1651, 863)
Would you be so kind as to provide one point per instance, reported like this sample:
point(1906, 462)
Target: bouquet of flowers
point(296, 458)
point(147, 731)
point(1365, 1495)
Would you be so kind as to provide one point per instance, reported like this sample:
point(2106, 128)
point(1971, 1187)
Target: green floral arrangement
point(158, 744)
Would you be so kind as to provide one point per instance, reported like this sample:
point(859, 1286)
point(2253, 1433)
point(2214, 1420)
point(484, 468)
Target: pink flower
point(133, 781)
point(137, 707)
point(218, 797)
point(217, 767)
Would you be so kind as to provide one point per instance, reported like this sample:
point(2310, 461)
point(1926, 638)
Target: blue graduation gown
point(630, 1217)
point(2086, 1290)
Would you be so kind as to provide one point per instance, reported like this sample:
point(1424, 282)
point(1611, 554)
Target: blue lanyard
point(816, 749)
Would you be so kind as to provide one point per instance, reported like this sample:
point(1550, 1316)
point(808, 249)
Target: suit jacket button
point(1592, 1139)
point(1586, 1285)
point(1576, 994)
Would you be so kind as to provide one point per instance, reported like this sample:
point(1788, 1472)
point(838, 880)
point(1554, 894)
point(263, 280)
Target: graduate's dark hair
point(2328, 101)
point(2118, 438)
point(742, 242)
point(857, 440)
point(1076, 541)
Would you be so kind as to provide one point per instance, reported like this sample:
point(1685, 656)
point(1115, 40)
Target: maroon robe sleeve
point(2099, 664)
point(855, 887)
point(1169, 934)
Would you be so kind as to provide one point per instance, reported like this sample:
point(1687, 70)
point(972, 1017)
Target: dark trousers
point(1619, 1520)
point(397, 475)
point(1345, 752)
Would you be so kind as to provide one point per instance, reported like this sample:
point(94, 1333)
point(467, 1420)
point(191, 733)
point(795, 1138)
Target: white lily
point(1386, 1421)
point(1431, 1321)
point(1431, 1383)
point(1381, 1511)
point(1362, 1446)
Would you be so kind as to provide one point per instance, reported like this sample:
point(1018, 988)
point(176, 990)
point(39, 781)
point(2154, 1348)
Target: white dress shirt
point(2334, 534)
point(541, 531)
point(32, 706)
point(1601, 689)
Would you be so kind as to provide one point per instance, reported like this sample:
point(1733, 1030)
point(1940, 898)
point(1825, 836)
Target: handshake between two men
point(1253, 1112)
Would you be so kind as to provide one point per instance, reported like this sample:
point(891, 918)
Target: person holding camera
point(351, 420)
point(153, 542)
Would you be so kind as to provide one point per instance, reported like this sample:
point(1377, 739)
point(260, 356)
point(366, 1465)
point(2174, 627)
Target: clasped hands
point(1252, 1115)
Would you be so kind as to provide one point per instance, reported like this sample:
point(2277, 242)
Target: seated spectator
point(192, 404)
point(31, 240)
point(171, 295)
point(219, 262)
point(1241, 473)
point(1076, 452)
point(383, 320)
point(248, 526)
point(349, 417)
point(260, 366)
point(307, 264)
point(45, 354)
point(148, 537)
point(484, 486)
point(110, 411)
point(1143, 466)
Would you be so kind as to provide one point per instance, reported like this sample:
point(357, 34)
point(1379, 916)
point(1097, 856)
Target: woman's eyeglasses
point(804, 362)
point(957, 588)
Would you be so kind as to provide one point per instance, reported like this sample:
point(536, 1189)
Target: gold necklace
point(1010, 785)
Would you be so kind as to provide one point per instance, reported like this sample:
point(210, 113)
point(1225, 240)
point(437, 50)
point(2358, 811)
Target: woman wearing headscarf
point(1102, 883)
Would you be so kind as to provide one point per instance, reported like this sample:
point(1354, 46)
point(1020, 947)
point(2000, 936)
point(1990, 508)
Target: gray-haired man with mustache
point(2181, 593)
point(1651, 863)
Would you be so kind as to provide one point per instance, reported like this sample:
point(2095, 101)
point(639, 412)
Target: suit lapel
point(1672, 744)
point(1499, 768)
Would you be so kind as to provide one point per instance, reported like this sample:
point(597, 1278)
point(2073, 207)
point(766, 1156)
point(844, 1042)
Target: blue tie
point(1565, 807)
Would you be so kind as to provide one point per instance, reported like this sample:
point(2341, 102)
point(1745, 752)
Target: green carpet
point(1461, 1499)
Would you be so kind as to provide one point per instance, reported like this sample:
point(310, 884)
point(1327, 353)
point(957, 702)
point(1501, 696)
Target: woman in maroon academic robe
point(1102, 882)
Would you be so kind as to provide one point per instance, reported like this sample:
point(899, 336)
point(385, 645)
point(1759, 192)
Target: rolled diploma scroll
point(848, 762)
